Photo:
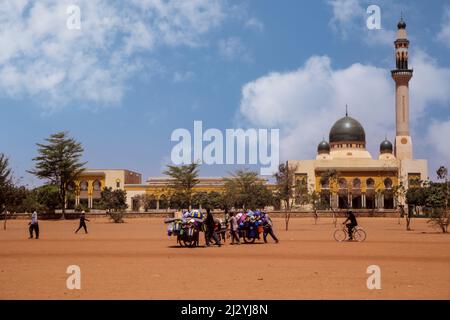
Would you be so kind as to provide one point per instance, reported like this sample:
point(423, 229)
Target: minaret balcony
point(402, 75)
point(400, 72)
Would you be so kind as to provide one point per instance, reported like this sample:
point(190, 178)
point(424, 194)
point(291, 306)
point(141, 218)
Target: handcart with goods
point(250, 226)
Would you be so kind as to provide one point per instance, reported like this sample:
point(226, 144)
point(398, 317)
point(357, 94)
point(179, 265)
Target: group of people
point(210, 224)
point(34, 224)
point(233, 224)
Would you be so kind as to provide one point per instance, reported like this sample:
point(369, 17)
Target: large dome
point(347, 129)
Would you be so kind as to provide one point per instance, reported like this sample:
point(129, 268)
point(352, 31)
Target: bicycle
point(342, 234)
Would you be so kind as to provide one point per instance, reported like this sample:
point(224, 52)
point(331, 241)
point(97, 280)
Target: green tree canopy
point(115, 202)
point(285, 179)
point(5, 181)
point(244, 189)
point(58, 162)
point(185, 178)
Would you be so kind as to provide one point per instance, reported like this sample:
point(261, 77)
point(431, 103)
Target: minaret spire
point(401, 75)
point(346, 110)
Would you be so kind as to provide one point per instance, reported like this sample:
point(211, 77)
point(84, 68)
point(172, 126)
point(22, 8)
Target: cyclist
point(353, 223)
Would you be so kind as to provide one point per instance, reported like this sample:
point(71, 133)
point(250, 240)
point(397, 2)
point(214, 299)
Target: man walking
point(210, 225)
point(268, 228)
point(234, 229)
point(34, 225)
point(82, 222)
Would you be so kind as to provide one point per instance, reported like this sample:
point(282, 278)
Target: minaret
point(401, 76)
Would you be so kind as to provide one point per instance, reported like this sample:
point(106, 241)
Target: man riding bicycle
point(353, 223)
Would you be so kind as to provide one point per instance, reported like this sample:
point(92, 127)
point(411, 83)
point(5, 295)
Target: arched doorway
point(388, 195)
point(370, 193)
point(343, 194)
point(356, 194)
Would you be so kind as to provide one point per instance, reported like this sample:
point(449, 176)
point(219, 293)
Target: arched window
point(370, 183)
point(356, 183)
point(83, 185)
point(388, 183)
point(118, 183)
point(97, 185)
point(325, 183)
point(342, 183)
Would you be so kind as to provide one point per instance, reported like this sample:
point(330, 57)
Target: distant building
point(91, 182)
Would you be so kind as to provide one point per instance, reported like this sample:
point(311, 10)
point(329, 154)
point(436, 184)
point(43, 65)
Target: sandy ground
point(137, 260)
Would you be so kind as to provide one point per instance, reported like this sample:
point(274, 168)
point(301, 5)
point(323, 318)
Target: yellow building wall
point(363, 176)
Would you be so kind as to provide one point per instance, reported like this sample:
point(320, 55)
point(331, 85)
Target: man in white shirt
point(34, 225)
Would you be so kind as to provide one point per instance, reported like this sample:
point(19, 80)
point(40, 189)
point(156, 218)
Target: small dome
point(386, 146)
point(323, 147)
point(347, 129)
point(401, 24)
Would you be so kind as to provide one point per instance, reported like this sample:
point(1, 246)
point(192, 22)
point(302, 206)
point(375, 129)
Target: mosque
point(346, 174)
point(359, 180)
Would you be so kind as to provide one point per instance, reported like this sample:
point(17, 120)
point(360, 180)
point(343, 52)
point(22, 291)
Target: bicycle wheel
point(339, 235)
point(249, 239)
point(187, 243)
point(359, 235)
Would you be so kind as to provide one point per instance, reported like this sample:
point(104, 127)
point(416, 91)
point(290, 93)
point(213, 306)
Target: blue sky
point(138, 70)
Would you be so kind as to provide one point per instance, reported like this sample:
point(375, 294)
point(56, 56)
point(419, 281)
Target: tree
point(115, 202)
point(437, 200)
point(316, 202)
point(59, 163)
point(399, 195)
point(184, 180)
point(415, 198)
point(179, 200)
point(6, 187)
point(244, 189)
point(47, 197)
point(5, 181)
point(205, 200)
point(200, 199)
point(285, 184)
point(145, 200)
point(215, 200)
point(442, 174)
point(331, 178)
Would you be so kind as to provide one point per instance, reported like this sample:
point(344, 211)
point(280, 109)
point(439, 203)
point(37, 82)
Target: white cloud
point(233, 48)
point(444, 33)
point(437, 136)
point(255, 24)
point(346, 15)
point(379, 37)
point(43, 59)
point(349, 18)
point(430, 83)
point(306, 102)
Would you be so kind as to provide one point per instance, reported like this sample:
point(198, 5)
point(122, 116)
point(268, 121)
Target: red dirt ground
point(137, 260)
